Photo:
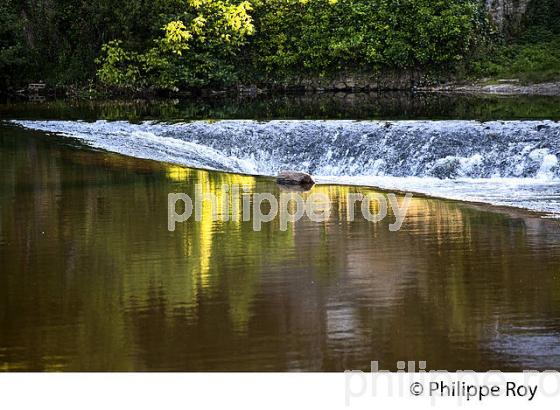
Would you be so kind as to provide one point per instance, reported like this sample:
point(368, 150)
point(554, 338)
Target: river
point(92, 279)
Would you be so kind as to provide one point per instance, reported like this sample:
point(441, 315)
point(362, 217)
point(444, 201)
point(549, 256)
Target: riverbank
point(347, 85)
point(500, 87)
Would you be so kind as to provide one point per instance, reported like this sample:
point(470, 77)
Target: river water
point(91, 278)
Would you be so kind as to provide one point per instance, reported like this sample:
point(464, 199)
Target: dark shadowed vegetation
point(184, 44)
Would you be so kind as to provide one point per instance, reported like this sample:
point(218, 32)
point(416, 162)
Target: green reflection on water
point(388, 105)
point(91, 279)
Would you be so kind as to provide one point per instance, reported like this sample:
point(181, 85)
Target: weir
point(498, 162)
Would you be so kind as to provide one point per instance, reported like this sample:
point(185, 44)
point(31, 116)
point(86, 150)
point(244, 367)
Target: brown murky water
point(91, 279)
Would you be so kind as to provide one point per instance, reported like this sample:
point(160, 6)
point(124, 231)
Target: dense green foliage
point(322, 36)
point(195, 47)
point(533, 54)
point(542, 20)
point(292, 37)
point(12, 55)
point(528, 62)
point(177, 44)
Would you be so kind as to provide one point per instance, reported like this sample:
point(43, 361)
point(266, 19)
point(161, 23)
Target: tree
point(195, 48)
point(12, 48)
point(331, 35)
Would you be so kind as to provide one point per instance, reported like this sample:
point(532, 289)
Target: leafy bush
point(322, 36)
point(529, 62)
point(207, 42)
point(12, 47)
point(195, 48)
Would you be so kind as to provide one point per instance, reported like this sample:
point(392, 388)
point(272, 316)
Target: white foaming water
point(509, 163)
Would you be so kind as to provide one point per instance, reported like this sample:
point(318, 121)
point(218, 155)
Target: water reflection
point(329, 105)
point(91, 279)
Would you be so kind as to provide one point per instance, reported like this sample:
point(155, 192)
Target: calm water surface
point(91, 279)
point(363, 106)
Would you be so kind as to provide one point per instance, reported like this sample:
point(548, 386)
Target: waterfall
point(496, 162)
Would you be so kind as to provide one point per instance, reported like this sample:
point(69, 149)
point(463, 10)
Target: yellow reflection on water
point(206, 253)
point(178, 174)
point(219, 204)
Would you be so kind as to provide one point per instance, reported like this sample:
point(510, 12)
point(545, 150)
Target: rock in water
point(295, 178)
